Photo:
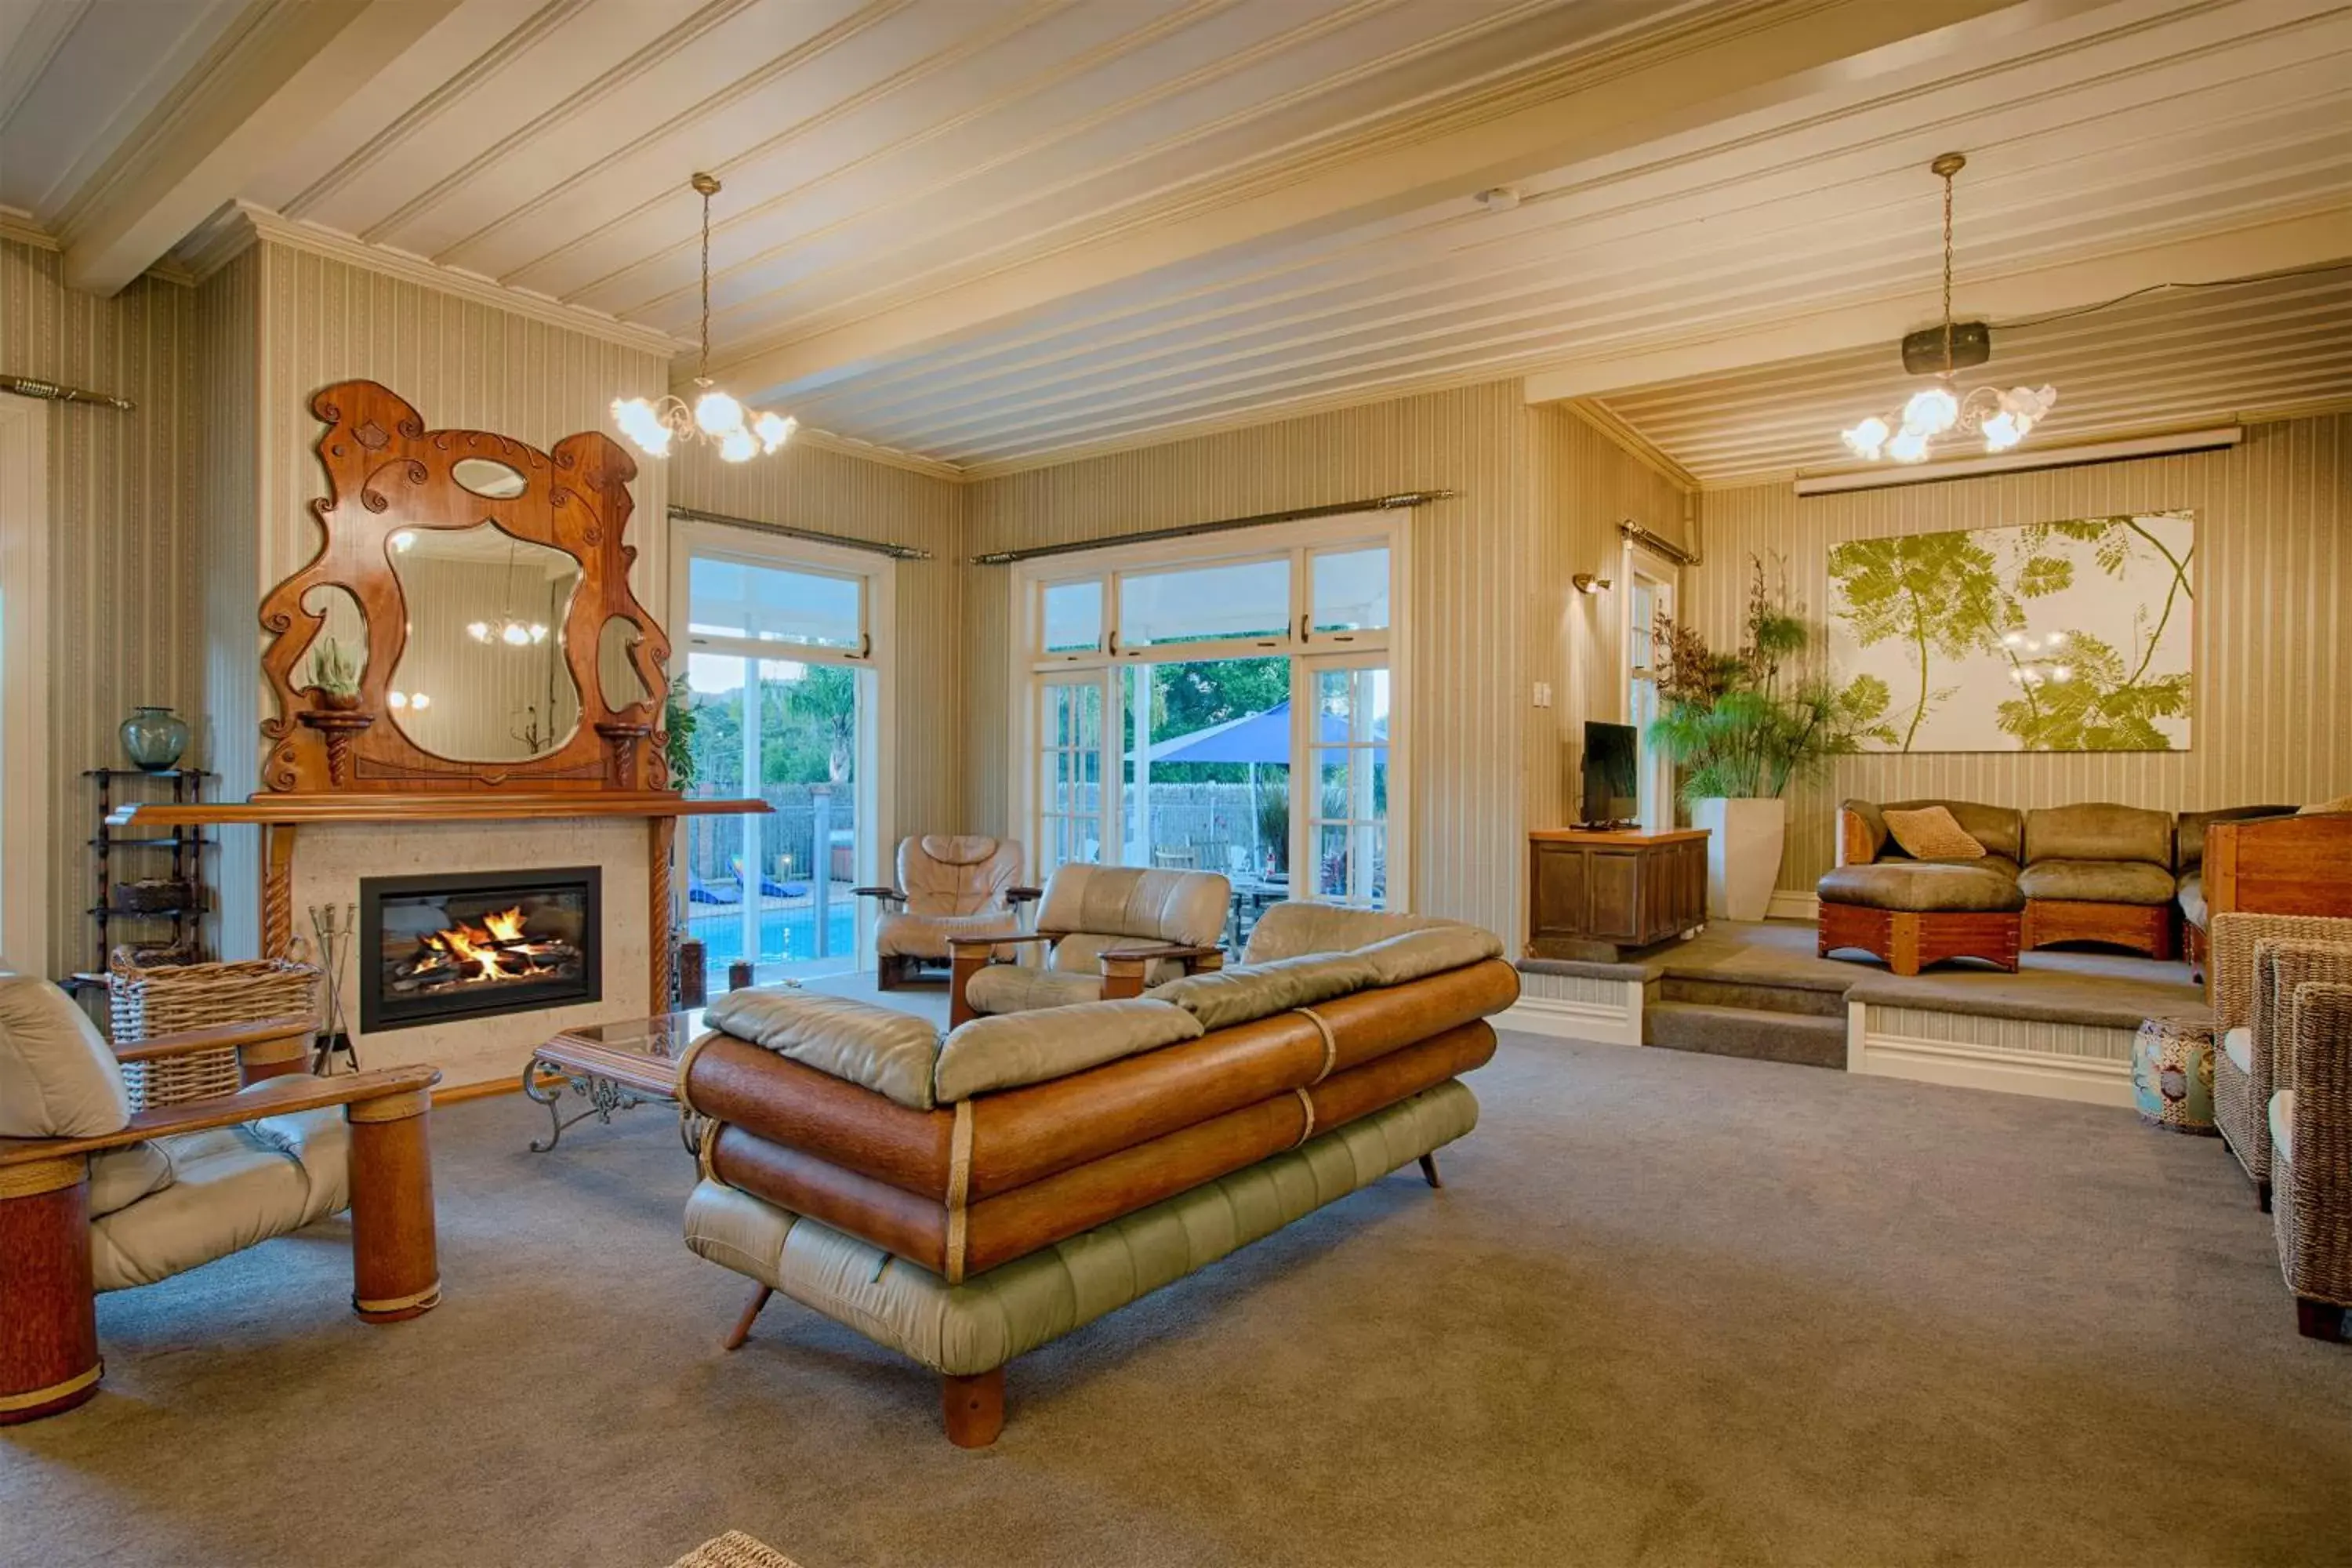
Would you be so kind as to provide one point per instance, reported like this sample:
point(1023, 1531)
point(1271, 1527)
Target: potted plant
point(334, 677)
point(678, 721)
point(1742, 727)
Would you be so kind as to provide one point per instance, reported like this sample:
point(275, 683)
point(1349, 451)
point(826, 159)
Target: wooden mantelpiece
point(280, 816)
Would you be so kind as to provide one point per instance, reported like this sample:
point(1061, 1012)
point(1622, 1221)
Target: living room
point(650, 670)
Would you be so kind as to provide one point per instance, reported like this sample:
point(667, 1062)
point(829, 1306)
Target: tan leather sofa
point(1032, 1171)
point(949, 885)
point(94, 1197)
point(1105, 931)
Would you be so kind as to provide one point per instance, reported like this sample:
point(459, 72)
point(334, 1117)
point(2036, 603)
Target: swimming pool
point(787, 935)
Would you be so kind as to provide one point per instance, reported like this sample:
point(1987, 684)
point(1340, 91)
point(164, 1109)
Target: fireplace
point(477, 942)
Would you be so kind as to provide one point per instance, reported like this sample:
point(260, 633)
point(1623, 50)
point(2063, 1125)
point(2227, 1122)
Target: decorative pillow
point(1932, 834)
point(2341, 802)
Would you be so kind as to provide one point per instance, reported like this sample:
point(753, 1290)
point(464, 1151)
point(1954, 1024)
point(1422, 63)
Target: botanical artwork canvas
point(2054, 636)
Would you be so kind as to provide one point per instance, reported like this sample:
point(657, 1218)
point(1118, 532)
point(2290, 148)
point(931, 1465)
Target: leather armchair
point(1107, 931)
point(94, 1197)
point(949, 885)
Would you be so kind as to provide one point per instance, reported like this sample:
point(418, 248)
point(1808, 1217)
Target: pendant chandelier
point(740, 433)
point(510, 629)
point(2001, 418)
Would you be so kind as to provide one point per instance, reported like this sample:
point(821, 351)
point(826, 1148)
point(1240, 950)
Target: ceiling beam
point(1748, 61)
point(2303, 240)
point(282, 68)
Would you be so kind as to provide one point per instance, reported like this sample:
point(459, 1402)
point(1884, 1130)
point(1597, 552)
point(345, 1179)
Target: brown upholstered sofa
point(1916, 912)
point(2099, 873)
point(966, 1198)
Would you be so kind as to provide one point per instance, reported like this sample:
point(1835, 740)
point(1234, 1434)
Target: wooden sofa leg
point(396, 1262)
point(48, 1312)
point(1429, 1171)
point(974, 1408)
point(742, 1329)
point(967, 962)
point(2318, 1320)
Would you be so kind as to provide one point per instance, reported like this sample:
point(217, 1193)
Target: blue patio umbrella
point(1253, 739)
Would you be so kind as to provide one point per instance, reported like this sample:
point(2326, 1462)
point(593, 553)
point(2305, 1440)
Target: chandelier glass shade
point(2000, 418)
point(714, 416)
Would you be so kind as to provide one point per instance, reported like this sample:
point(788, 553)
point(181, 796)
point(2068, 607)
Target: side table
point(614, 1067)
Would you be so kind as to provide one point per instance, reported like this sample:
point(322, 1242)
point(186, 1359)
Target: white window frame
point(876, 793)
point(1656, 787)
point(1304, 647)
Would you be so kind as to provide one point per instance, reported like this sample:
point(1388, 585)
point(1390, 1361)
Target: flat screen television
point(1612, 760)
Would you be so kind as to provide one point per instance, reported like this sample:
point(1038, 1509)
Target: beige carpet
point(1669, 1308)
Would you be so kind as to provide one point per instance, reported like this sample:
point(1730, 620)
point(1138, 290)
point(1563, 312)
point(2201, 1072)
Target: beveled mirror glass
point(615, 675)
point(488, 477)
point(483, 676)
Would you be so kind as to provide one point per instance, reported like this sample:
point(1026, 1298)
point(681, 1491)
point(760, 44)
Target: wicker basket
point(167, 998)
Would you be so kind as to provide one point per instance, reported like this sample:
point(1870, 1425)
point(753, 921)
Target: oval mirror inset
point(488, 479)
point(482, 677)
point(616, 676)
point(338, 655)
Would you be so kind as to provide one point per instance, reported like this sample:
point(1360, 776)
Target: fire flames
point(480, 947)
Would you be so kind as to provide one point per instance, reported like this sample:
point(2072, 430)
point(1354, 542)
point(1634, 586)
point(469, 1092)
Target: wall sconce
point(1586, 583)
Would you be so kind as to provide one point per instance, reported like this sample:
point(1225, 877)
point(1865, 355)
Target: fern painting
point(2056, 637)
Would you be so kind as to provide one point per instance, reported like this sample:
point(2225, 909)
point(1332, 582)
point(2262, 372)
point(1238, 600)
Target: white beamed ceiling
point(989, 233)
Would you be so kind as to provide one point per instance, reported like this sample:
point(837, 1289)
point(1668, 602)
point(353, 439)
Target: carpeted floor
point(1669, 1310)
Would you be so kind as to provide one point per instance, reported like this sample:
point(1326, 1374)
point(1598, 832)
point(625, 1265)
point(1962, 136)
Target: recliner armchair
point(94, 1197)
point(1109, 932)
point(949, 885)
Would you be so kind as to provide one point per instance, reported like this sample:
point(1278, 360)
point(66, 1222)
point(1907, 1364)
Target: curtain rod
point(51, 392)
point(1187, 531)
point(1657, 543)
point(871, 546)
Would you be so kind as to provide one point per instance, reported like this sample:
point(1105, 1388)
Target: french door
point(1227, 706)
point(784, 685)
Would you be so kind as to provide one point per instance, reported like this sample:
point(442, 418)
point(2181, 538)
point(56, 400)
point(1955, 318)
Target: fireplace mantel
point(292, 809)
point(280, 816)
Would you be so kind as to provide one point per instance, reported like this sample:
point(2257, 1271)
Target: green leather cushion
point(1919, 887)
point(2098, 832)
point(1222, 998)
point(2099, 882)
point(968, 1329)
point(1034, 1047)
point(1999, 829)
point(893, 1054)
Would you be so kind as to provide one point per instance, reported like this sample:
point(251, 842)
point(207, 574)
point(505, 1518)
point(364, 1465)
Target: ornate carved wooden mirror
point(467, 624)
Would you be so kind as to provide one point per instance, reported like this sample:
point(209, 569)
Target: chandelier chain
point(702, 366)
point(1947, 277)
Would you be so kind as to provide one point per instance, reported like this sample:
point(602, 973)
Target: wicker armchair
point(2310, 1162)
point(2257, 963)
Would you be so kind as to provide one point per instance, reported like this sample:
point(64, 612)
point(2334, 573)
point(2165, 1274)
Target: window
point(1170, 688)
point(1651, 598)
point(782, 679)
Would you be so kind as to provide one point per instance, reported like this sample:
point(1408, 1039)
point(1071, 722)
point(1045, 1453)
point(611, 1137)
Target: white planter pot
point(1743, 854)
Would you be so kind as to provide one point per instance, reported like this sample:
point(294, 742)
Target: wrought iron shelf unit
point(119, 857)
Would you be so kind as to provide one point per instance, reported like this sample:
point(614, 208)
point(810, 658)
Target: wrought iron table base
point(603, 1096)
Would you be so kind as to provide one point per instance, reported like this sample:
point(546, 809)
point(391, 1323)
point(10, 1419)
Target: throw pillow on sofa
point(1932, 833)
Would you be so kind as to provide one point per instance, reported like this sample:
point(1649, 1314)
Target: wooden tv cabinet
point(1593, 894)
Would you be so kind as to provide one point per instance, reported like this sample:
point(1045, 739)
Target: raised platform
point(2061, 1027)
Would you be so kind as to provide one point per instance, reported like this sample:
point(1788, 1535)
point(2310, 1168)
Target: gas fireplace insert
point(474, 942)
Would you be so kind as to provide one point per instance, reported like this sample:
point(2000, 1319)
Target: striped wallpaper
point(2274, 630)
point(1469, 598)
point(121, 513)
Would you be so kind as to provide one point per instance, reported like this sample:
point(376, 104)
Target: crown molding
point(1632, 442)
point(241, 224)
point(18, 226)
point(890, 457)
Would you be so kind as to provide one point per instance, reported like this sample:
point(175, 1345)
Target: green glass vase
point(154, 738)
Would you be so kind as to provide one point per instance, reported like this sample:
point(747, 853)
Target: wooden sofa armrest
point(273, 1097)
point(986, 942)
point(1023, 895)
point(1854, 844)
point(887, 895)
point(219, 1036)
point(1184, 950)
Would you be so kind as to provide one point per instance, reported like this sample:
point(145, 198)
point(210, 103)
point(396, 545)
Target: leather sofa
point(1915, 913)
point(2099, 873)
point(1031, 1172)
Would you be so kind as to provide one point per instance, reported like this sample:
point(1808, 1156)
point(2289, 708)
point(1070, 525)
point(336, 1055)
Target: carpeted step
point(1812, 1001)
point(1741, 1032)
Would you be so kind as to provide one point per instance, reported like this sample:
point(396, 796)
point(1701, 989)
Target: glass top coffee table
point(614, 1067)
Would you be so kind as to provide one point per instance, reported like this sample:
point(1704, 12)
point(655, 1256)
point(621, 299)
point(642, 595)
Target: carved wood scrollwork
point(388, 473)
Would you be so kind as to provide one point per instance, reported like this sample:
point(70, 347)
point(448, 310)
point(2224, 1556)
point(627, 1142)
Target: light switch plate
point(1543, 693)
